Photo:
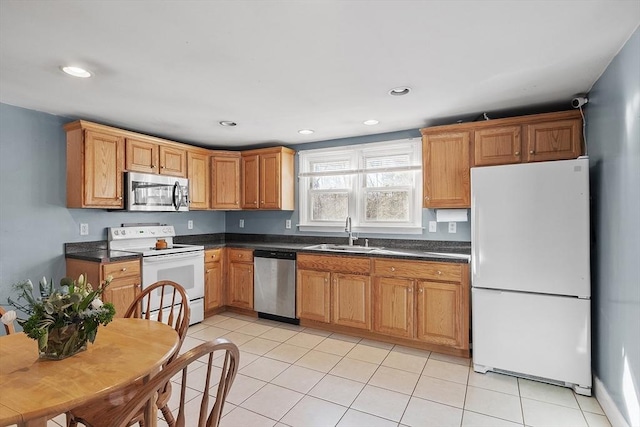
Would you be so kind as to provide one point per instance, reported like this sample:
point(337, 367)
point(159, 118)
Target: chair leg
point(168, 416)
point(71, 422)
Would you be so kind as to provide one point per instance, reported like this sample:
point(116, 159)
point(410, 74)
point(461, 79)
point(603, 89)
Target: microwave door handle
point(177, 195)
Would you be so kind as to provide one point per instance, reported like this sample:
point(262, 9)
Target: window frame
point(357, 155)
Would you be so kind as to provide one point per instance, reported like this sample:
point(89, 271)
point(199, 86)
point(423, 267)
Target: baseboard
point(608, 405)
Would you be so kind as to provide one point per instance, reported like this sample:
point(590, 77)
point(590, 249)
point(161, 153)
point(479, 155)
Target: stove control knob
point(115, 232)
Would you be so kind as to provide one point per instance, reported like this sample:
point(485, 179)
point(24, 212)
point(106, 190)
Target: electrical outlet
point(433, 226)
point(452, 227)
point(287, 223)
point(84, 229)
point(190, 225)
point(241, 225)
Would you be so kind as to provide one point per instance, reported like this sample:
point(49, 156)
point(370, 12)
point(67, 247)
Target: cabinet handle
point(208, 271)
point(120, 198)
point(162, 167)
point(517, 153)
point(426, 197)
point(410, 290)
point(532, 152)
point(153, 166)
point(439, 272)
point(420, 290)
point(393, 269)
point(123, 269)
point(326, 280)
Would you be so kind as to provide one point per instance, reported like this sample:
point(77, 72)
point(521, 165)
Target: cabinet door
point(103, 167)
point(438, 313)
point(313, 295)
point(226, 182)
point(122, 292)
point(351, 300)
point(240, 292)
point(555, 140)
point(250, 182)
point(393, 310)
point(446, 170)
point(497, 146)
point(142, 156)
point(173, 161)
point(198, 174)
point(213, 285)
point(270, 190)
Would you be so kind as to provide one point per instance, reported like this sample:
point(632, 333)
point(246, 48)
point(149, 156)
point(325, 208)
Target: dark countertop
point(388, 248)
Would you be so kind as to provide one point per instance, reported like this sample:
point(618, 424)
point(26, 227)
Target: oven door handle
point(170, 257)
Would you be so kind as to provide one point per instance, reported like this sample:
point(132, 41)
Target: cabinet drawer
point(240, 255)
point(334, 263)
point(212, 255)
point(418, 270)
point(121, 269)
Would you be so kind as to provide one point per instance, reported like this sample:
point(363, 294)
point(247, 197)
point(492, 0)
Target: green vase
point(63, 342)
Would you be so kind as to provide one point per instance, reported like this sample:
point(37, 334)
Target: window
point(378, 185)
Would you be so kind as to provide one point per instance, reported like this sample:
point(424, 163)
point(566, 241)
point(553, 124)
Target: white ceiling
point(176, 68)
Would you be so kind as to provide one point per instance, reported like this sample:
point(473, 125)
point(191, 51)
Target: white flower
point(43, 282)
point(96, 303)
point(9, 317)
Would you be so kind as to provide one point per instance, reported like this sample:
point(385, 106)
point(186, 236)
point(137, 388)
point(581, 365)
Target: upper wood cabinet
point(225, 180)
point(446, 173)
point(449, 151)
point(497, 145)
point(198, 174)
point(95, 161)
point(153, 157)
point(268, 181)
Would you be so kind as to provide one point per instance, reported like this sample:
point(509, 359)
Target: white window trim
point(357, 154)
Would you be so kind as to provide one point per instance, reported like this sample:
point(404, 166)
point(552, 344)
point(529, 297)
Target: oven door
point(186, 269)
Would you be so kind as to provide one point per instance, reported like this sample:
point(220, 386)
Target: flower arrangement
point(61, 320)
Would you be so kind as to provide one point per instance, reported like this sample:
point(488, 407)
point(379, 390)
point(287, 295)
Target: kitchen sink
point(343, 248)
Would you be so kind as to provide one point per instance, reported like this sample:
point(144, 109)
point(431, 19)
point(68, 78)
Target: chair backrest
point(182, 363)
point(10, 328)
point(176, 310)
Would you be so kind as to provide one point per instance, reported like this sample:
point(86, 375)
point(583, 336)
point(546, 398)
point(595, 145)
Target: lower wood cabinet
point(394, 306)
point(213, 279)
point(123, 289)
point(428, 301)
point(240, 278)
point(334, 289)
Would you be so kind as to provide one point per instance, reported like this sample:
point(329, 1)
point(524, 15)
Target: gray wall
point(34, 220)
point(613, 135)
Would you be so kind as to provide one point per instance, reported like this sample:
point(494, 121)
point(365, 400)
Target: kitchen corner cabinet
point(446, 173)
point(225, 180)
point(198, 174)
point(268, 179)
point(150, 156)
point(334, 289)
point(213, 278)
point(427, 301)
point(123, 289)
point(95, 161)
point(240, 278)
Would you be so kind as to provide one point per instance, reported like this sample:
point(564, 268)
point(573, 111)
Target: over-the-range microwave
point(158, 193)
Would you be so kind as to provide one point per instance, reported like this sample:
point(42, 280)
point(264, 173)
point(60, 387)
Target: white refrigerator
point(531, 287)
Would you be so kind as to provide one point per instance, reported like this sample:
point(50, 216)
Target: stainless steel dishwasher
point(274, 285)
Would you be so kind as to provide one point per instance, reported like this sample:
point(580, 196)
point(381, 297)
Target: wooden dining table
point(34, 390)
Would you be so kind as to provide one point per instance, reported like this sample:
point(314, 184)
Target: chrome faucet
point(347, 228)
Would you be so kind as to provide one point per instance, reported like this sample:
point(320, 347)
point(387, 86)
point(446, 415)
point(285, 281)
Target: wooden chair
point(182, 363)
point(176, 313)
point(10, 328)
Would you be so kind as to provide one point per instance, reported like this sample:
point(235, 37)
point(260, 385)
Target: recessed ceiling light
point(305, 131)
point(371, 122)
point(227, 123)
point(399, 91)
point(76, 72)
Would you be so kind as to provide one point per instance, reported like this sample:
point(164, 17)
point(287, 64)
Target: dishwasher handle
point(274, 254)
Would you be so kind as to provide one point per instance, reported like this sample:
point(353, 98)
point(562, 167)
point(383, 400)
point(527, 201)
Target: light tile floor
point(295, 376)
